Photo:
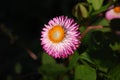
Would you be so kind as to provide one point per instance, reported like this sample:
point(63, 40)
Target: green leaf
point(86, 57)
point(82, 29)
point(18, 68)
point(73, 60)
point(52, 69)
point(86, 40)
point(96, 4)
point(46, 59)
point(101, 65)
point(90, 9)
point(84, 72)
point(66, 77)
point(114, 73)
point(49, 68)
point(103, 8)
point(89, 1)
point(80, 9)
point(103, 22)
point(83, 10)
point(115, 47)
point(105, 29)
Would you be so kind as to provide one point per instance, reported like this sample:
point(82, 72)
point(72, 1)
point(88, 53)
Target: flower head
point(113, 13)
point(60, 37)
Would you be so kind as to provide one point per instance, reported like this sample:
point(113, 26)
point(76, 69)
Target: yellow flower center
point(117, 9)
point(56, 34)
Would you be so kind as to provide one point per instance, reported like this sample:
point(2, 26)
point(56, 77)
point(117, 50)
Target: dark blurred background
point(20, 25)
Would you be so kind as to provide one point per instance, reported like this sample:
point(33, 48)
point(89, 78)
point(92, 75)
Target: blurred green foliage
point(22, 56)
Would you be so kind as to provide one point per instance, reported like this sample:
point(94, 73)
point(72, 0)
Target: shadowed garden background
point(22, 56)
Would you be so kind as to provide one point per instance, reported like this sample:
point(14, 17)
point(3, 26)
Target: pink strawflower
point(60, 37)
point(113, 13)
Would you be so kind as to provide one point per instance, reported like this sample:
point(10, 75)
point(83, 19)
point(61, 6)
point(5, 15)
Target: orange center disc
point(56, 34)
point(117, 9)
